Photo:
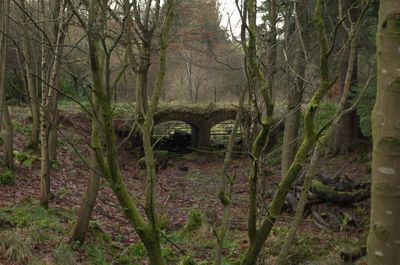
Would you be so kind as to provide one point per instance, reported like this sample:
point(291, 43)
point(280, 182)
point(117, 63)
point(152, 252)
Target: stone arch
point(201, 120)
point(199, 126)
point(222, 115)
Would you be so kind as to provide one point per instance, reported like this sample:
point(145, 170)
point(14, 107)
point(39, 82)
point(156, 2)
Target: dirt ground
point(178, 191)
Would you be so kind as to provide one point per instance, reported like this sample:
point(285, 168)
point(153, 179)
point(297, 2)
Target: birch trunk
point(384, 234)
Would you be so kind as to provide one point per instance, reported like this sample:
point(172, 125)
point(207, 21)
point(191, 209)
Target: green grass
point(27, 225)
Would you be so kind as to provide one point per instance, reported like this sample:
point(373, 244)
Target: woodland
point(236, 132)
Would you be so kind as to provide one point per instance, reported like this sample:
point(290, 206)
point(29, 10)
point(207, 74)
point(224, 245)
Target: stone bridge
point(200, 118)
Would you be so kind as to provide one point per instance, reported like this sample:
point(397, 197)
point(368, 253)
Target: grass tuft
point(64, 255)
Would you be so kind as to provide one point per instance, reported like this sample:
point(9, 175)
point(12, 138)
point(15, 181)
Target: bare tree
point(103, 134)
point(50, 74)
point(5, 119)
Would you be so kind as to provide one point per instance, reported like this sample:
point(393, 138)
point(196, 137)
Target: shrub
point(25, 157)
point(7, 177)
point(195, 220)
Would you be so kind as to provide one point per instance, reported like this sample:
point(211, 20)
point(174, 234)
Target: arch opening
point(174, 136)
point(221, 132)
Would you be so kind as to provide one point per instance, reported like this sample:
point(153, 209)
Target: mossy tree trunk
point(384, 234)
point(105, 150)
point(257, 85)
point(225, 186)
point(258, 235)
point(92, 188)
point(150, 204)
point(323, 139)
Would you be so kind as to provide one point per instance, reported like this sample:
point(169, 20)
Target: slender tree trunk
point(154, 248)
point(85, 211)
point(44, 122)
point(106, 154)
point(4, 20)
point(348, 130)
point(284, 253)
point(227, 182)
point(384, 233)
point(31, 87)
point(257, 236)
point(310, 173)
point(8, 141)
point(295, 95)
point(271, 44)
point(53, 141)
point(257, 84)
point(50, 78)
point(5, 118)
point(142, 81)
point(89, 199)
point(45, 161)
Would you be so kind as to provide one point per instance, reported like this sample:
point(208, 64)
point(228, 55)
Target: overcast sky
point(229, 12)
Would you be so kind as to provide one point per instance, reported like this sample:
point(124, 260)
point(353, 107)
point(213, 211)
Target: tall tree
point(295, 95)
point(4, 8)
point(259, 233)
point(342, 110)
point(142, 26)
point(31, 86)
point(50, 75)
point(349, 125)
point(104, 140)
point(5, 119)
point(384, 233)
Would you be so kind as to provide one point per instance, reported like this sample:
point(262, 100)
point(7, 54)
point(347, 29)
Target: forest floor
point(32, 235)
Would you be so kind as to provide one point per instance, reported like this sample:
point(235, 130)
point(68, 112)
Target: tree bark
point(227, 182)
point(8, 141)
point(105, 150)
point(50, 80)
point(31, 87)
point(142, 81)
point(4, 20)
point(295, 96)
point(348, 129)
point(5, 118)
point(384, 235)
point(284, 252)
point(257, 236)
point(89, 199)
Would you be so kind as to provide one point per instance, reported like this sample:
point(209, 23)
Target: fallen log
point(328, 193)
